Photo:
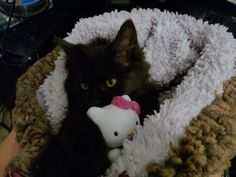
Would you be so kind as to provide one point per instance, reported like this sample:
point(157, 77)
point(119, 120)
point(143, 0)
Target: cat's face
point(102, 69)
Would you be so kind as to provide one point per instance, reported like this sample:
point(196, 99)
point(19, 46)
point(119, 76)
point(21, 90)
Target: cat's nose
point(102, 88)
point(96, 103)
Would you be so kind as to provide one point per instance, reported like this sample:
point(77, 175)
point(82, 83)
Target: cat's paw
point(20, 165)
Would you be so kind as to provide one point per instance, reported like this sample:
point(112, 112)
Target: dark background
point(32, 39)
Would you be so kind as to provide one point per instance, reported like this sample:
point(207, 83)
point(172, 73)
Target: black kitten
point(103, 69)
point(97, 71)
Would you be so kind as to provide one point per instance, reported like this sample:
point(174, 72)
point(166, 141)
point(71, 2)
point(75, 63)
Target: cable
point(5, 34)
point(4, 38)
point(11, 63)
point(25, 10)
point(8, 27)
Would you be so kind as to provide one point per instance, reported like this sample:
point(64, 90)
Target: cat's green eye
point(84, 86)
point(111, 82)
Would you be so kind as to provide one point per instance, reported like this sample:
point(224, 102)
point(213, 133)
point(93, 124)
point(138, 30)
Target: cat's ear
point(126, 37)
point(66, 46)
point(125, 44)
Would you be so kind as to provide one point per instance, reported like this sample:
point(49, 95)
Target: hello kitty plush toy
point(117, 122)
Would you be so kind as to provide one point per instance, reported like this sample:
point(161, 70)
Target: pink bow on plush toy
point(123, 103)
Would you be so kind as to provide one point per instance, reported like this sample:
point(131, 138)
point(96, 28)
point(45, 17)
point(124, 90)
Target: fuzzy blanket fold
point(171, 43)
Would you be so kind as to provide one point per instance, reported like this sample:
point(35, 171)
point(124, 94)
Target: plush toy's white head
point(115, 123)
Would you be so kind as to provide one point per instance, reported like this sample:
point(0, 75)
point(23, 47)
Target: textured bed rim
point(221, 117)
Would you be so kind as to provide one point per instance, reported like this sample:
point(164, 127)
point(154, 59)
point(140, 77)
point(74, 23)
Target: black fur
point(79, 150)
point(96, 72)
point(102, 60)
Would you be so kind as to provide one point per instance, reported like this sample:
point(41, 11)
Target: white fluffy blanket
point(171, 43)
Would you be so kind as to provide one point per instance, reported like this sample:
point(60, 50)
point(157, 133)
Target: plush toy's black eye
point(136, 122)
point(116, 133)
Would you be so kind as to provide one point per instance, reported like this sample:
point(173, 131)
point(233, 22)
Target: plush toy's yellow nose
point(130, 133)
